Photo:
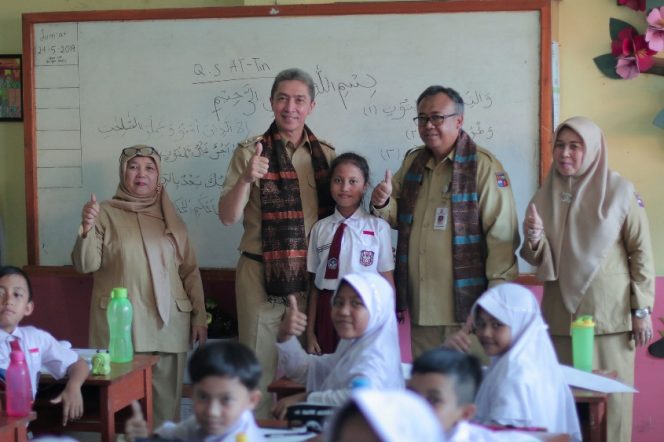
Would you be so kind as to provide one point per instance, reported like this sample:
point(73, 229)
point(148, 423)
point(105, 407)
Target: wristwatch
point(641, 312)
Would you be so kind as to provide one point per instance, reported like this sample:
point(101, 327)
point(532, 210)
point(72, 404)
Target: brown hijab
point(157, 217)
point(582, 214)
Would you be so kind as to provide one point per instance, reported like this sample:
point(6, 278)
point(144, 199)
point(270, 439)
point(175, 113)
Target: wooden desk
point(103, 397)
point(591, 408)
point(15, 429)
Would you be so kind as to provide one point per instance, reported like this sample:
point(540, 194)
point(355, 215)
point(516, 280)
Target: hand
point(136, 427)
point(198, 334)
point(294, 322)
point(312, 344)
point(382, 191)
point(281, 407)
point(72, 404)
point(90, 214)
point(642, 330)
point(533, 227)
point(257, 167)
point(460, 341)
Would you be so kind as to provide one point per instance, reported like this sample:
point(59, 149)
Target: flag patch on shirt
point(368, 232)
point(501, 179)
point(34, 350)
point(366, 257)
point(639, 200)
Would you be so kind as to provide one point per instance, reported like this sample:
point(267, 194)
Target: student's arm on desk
point(71, 397)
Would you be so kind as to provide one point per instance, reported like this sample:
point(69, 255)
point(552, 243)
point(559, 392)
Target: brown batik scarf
point(282, 228)
point(468, 239)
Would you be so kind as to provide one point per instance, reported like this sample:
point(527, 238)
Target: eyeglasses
point(436, 120)
point(143, 151)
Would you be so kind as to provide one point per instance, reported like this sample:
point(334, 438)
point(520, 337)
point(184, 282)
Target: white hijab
point(524, 386)
point(395, 416)
point(374, 355)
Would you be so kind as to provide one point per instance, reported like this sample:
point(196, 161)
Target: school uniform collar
point(356, 216)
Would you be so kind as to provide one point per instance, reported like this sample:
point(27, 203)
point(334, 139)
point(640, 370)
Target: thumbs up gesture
point(294, 322)
point(257, 166)
point(89, 214)
point(136, 427)
point(382, 191)
point(460, 340)
point(533, 227)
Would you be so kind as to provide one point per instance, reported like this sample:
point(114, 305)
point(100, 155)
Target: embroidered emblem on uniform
point(368, 232)
point(366, 257)
point(332, 263)
point(501, 179)
point(566, 197)
point(639, 200)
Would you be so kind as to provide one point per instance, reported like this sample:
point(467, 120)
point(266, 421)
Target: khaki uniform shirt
point(624, 281)
point(301, 158)
point(114, 251)
point(430, 266)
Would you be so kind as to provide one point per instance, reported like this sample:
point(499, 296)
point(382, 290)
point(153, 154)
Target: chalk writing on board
point(199, 207)
point(177, 180)
point(392, 111)
point(477, 98)
point(200, 149)
point(241, 65)
point(343, 88)
point(244, 101)
point(479, 131)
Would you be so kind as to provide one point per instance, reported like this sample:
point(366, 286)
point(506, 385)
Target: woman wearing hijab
point(524, 385)
point(588, 235)
point(385, 416)
point(138, 241)
point(363, 317)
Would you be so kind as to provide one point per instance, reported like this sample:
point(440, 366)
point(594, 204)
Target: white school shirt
point(189, 430)
point(41, 351)
point(464, 431)
point(366, 246)
point(374, 355)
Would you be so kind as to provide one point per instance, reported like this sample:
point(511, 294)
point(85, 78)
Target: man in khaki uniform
point(459, 233)
point(261, 304)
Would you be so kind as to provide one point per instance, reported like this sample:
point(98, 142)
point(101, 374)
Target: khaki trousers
point(167, 378)
point(258, 323)
point(613, 352)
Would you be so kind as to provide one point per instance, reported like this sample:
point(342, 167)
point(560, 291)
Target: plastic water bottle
point(19, 388)
point(119, 315)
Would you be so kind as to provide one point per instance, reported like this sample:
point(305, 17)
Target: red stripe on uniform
point(280, 254)
point(286, 214)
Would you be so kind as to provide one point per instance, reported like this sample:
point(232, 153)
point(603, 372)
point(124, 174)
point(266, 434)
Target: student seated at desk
point(449, 379)
point(524, 385)
point(225, 379)
point(40, 348)
point(364, 317)
point(384, 416)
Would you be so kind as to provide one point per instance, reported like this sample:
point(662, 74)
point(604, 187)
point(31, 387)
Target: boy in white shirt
point(225, 378)
point(41, 350)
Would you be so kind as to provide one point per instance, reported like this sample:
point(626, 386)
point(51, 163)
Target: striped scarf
point(283, 236)
point(467, 241)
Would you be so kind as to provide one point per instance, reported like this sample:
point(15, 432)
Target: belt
point(253, 256)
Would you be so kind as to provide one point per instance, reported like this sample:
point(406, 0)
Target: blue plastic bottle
point(19, 389)
point(119, 315)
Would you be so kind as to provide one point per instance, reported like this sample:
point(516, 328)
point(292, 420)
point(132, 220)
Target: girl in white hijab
point(523, 386)
point(364, 317)
point(385, 416)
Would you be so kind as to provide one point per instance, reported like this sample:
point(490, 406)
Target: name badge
point(440, 220)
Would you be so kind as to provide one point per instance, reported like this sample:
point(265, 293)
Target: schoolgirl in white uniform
point(350, 240)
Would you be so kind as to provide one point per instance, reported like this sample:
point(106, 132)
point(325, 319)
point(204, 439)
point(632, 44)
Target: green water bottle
point(583, 333)
point(119, 315)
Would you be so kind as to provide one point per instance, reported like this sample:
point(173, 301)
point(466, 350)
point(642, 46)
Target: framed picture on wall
point(11, 91)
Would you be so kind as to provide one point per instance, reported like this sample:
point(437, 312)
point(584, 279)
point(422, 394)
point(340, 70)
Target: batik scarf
point(467, 241)
point(284, 239)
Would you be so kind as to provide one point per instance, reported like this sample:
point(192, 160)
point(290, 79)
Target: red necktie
point(332, 270)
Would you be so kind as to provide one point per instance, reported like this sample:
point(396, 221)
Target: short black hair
point(225, 358)
point(437, 89)
point(465, 370)
point(11, 270)
point(355, 159)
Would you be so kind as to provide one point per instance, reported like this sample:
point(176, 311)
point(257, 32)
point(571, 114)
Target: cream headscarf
point(580, 232)
point(157, 217)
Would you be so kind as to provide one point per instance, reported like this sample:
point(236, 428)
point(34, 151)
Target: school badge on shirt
point(332, 263)
point(501, 179)
point(366, 257)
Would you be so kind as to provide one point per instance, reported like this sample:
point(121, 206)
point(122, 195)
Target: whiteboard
point(194, 88)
